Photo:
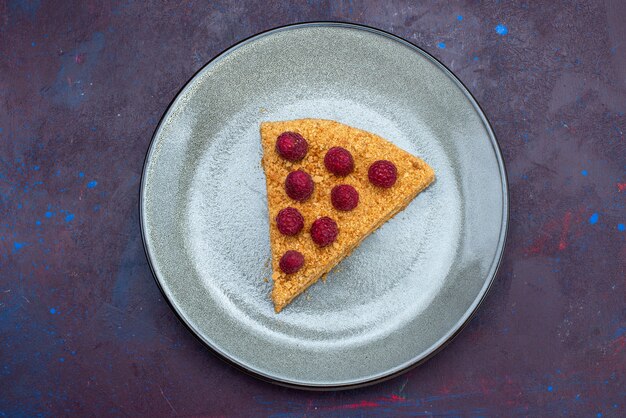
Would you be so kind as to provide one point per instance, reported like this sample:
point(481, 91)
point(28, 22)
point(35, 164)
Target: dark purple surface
point(83, 327)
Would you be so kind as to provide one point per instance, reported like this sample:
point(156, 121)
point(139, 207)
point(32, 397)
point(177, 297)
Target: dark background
point(83, 327)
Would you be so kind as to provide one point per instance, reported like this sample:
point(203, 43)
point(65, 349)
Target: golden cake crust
point(376, 205)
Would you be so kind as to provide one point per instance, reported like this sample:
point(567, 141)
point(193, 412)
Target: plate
point(409, 287)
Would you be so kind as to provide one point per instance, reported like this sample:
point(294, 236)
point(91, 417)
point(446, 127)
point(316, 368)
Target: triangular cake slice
point(376, 203)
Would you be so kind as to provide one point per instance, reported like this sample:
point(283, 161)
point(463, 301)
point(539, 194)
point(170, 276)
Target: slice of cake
point(328, 187)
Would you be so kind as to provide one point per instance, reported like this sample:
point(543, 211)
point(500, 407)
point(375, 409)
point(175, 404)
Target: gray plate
point(406, 291)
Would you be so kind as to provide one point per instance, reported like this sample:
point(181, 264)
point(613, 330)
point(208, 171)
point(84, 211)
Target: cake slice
point(329, 186)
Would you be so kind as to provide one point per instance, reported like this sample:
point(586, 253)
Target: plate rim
point(456, 328)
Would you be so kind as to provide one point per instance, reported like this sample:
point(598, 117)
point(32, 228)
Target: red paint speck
point(362, 404)
point(556, 235)
point(619, 344)
point(446, 390)
point(621, 186)
point(395, 398)
point(79, 58)
point(538, 245)
point(564, 232)
point(379, 402)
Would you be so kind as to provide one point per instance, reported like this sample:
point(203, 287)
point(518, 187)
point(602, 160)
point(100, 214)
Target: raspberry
point(291, 146)
point(299, 185)
point(339, 161)
point(289, 221)
point(344, 197)
point(324, 231)
point(382, 173)
point(291, 262)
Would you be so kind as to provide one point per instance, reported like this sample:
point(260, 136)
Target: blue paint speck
point(36, 168)
point(61, 359)
point(442, 45)
point(18, 245)
point(584, 172)
point(475, 58)
point(81, 174)
point(33, 43)
point(550, 388)
point(96, 208)
point(69, 217)
point(37, 222)
point(53, 311)
point(459, 18)
point(502, 29)
point(19, 206)
point(92, 184)
point(594, 218)
point(49, 214)
point(599, 414)
point(621, 227)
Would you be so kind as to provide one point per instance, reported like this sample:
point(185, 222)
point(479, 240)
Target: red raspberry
point(289, 221)
point(383, 173)
point(291, 146)
point(324, 231)
point(299, 185)
point(339, 161)
point(291, 262)
point(344, 197)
